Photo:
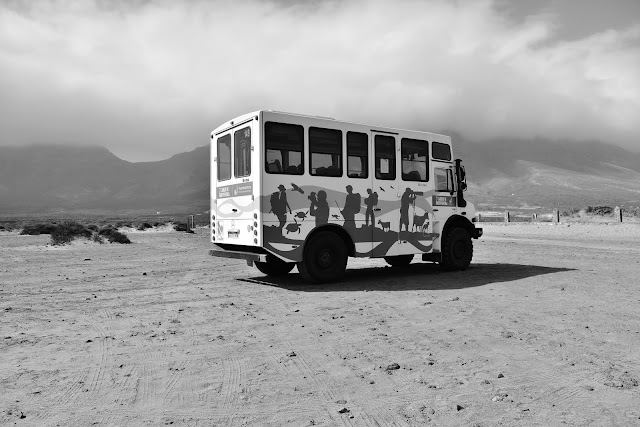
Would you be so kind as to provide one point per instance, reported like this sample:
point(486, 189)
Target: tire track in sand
point(231, 383)
point(98, 373)
point(173, 380)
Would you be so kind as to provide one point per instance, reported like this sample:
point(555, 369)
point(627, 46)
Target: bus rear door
point(237, 186)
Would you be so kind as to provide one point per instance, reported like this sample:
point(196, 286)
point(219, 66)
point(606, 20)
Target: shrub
point(37, 229)
point(599, 210)
point(92, 227)
point(68, 231)
point(181, 226)
point(114, 236)
point(144, 226)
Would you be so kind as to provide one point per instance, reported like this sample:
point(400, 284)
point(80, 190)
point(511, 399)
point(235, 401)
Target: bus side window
point(443, 180)
point(325, 147)
point(357, 155)
point(224, 157)
point(415, 153)
point(284, 148)
point(385, 164)
point(441, 151)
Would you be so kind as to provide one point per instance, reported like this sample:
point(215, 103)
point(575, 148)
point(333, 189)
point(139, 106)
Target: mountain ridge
point(549, 174)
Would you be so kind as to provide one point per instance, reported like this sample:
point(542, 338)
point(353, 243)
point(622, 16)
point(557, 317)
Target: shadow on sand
point(418, 276)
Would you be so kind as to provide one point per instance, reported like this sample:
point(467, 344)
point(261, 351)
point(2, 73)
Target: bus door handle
point(377, 209)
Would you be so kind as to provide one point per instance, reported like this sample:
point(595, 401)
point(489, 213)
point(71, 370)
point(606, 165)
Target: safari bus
point(292, 190)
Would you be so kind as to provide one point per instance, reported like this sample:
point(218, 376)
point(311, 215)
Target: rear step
point(248, 256)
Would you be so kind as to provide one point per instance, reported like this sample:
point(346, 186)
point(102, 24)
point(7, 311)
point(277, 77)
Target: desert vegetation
point(113, 235)
point(68, 231)
point(37, 229)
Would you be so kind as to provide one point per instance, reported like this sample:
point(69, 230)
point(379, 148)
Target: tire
point(457, 250)
point(399, 260)
point(274, 266)
point(325, 258)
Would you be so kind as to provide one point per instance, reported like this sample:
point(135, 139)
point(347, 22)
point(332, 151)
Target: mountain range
point(512, 174)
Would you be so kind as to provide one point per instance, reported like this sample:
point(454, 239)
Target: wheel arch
point(458, 221)
point(344, 235)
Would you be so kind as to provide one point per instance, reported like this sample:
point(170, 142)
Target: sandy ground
point(542, 330)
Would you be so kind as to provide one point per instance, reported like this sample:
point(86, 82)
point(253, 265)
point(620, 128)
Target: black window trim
point(311, 152)
point(433, 151)
point(230, 158)
point(302, 152)
point(426, 160)
point(366, 164)
point(394, 158)
point(234, 151)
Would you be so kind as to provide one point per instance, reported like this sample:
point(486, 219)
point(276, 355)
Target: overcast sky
point(149, 79)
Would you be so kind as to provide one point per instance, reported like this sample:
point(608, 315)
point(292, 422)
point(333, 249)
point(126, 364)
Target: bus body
point(289, 189)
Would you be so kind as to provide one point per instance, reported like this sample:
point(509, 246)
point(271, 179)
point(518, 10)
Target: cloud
point(151, 78)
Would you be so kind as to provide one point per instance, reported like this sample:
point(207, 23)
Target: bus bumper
point(477, 232)
point(249, 257)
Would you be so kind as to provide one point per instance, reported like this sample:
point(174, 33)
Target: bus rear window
point(224, 157)
point(325, 146)
point(357, 155)
point(441, 151)
point(242, 152)
point(284, 148)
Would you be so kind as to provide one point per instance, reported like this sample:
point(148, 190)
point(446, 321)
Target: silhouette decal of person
point(279, 205)
point(370, 201)
point(407, 199)
point(319, 207)
point(351, 207)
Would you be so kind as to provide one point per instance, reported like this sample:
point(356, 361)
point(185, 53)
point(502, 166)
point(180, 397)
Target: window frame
point(299, 130)
point(235, 154)
point(425, 161)
point(393, 159)
point(310, 144)
point(219, 159)
point(449, 181)
point(433, 151)
point(364, 160)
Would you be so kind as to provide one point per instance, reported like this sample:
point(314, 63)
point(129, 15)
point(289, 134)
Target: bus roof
point(244, 117)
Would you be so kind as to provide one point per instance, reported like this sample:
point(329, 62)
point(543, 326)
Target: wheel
point(274, 266)
point(457, 249)
point(399, 260)
point(325, 258)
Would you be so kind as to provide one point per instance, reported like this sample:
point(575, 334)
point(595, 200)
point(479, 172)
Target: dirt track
point(543, 329)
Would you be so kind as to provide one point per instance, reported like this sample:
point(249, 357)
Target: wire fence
point(554, 216)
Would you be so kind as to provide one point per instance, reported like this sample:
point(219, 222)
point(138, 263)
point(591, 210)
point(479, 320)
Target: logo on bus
point(242, 189)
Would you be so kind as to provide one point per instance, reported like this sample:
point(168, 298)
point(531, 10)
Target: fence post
point(556, 216)
point(534, 217)
point(506, 216)
point(617, 214)
point(479, 218)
